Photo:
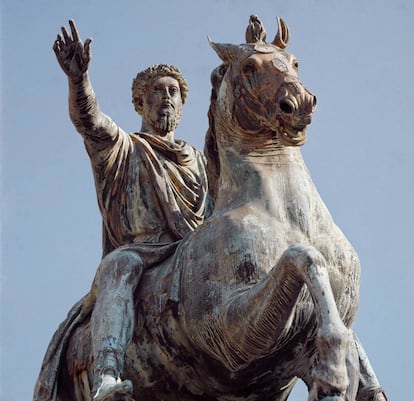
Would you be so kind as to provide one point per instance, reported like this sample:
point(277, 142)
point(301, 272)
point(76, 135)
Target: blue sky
point(356, 56)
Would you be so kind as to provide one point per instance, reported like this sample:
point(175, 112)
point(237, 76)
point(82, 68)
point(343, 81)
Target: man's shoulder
point(178, 150)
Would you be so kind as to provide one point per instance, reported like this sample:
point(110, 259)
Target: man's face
point(162, 105)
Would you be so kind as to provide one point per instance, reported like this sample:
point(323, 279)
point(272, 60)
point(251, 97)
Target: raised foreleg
point(250, 322)
point(333, 339)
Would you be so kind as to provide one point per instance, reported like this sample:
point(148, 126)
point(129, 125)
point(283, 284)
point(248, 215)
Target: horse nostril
point(286, 107)
point(314, 102)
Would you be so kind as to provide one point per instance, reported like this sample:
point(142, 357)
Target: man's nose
point(166, 93)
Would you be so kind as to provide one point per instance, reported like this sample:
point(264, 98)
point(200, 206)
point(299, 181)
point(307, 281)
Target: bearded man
point(151, 191)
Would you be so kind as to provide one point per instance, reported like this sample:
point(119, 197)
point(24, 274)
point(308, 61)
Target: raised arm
point(74, 57)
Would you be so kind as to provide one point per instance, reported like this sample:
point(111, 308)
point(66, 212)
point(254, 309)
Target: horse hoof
point(332, 398)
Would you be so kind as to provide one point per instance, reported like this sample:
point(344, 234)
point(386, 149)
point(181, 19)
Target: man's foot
point(372, 394)
point(111, 389)
point(379, 395)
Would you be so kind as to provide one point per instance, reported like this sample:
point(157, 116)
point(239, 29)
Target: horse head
point(260, 90)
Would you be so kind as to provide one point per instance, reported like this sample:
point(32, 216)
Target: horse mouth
point(293, 137)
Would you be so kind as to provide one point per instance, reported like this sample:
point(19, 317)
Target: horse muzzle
point(296, 106)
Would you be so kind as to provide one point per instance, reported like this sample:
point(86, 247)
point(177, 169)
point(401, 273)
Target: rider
point(151, 191)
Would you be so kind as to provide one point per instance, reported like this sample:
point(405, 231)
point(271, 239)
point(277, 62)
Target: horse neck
point(268, 173)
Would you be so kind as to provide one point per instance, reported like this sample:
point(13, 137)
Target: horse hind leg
point(333, 340)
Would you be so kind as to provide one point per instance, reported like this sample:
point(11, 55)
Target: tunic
point(149, 189)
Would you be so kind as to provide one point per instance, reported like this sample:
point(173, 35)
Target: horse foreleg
point(369, 386)
point(253, 322)
point(332, 338)
point(267, 307)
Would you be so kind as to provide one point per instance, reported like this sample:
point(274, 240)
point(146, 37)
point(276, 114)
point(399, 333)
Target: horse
point(265, 291)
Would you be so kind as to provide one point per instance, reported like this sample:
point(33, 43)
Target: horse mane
point(210, 147)
point(255, 33)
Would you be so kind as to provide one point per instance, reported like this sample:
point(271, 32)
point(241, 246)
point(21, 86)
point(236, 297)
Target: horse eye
point(249, 68)
point(296, 64)
point(222, 70)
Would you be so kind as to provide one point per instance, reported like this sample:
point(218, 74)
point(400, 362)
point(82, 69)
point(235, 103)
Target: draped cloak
point(151, 192)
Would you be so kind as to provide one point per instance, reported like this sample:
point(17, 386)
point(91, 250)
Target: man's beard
point(165, 124)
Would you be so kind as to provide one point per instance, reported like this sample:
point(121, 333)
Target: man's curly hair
point(144, 77)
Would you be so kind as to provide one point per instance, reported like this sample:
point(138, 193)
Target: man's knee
point(121, 264)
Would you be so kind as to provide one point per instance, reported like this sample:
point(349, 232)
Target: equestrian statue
point(230, 295)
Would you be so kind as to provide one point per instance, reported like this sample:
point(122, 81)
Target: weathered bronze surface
point(265, 291)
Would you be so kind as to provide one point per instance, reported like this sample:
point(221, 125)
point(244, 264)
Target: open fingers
point(57, 44)
point(86, 47)
point(59, 48)
point(66, 36)
point(74, 30)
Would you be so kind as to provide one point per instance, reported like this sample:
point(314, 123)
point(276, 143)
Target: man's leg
point(112, 321)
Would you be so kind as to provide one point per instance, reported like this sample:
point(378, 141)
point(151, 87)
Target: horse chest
point(245, 244)
point(242, 245)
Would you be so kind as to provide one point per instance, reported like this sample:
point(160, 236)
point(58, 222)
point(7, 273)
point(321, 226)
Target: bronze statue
point(264, 292)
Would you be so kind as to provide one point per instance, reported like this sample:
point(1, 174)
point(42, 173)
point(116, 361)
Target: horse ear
point(282, 37)
point(226, 51)
point(255, 31)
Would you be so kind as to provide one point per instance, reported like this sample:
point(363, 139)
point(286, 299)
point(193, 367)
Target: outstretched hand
point(72, 54)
